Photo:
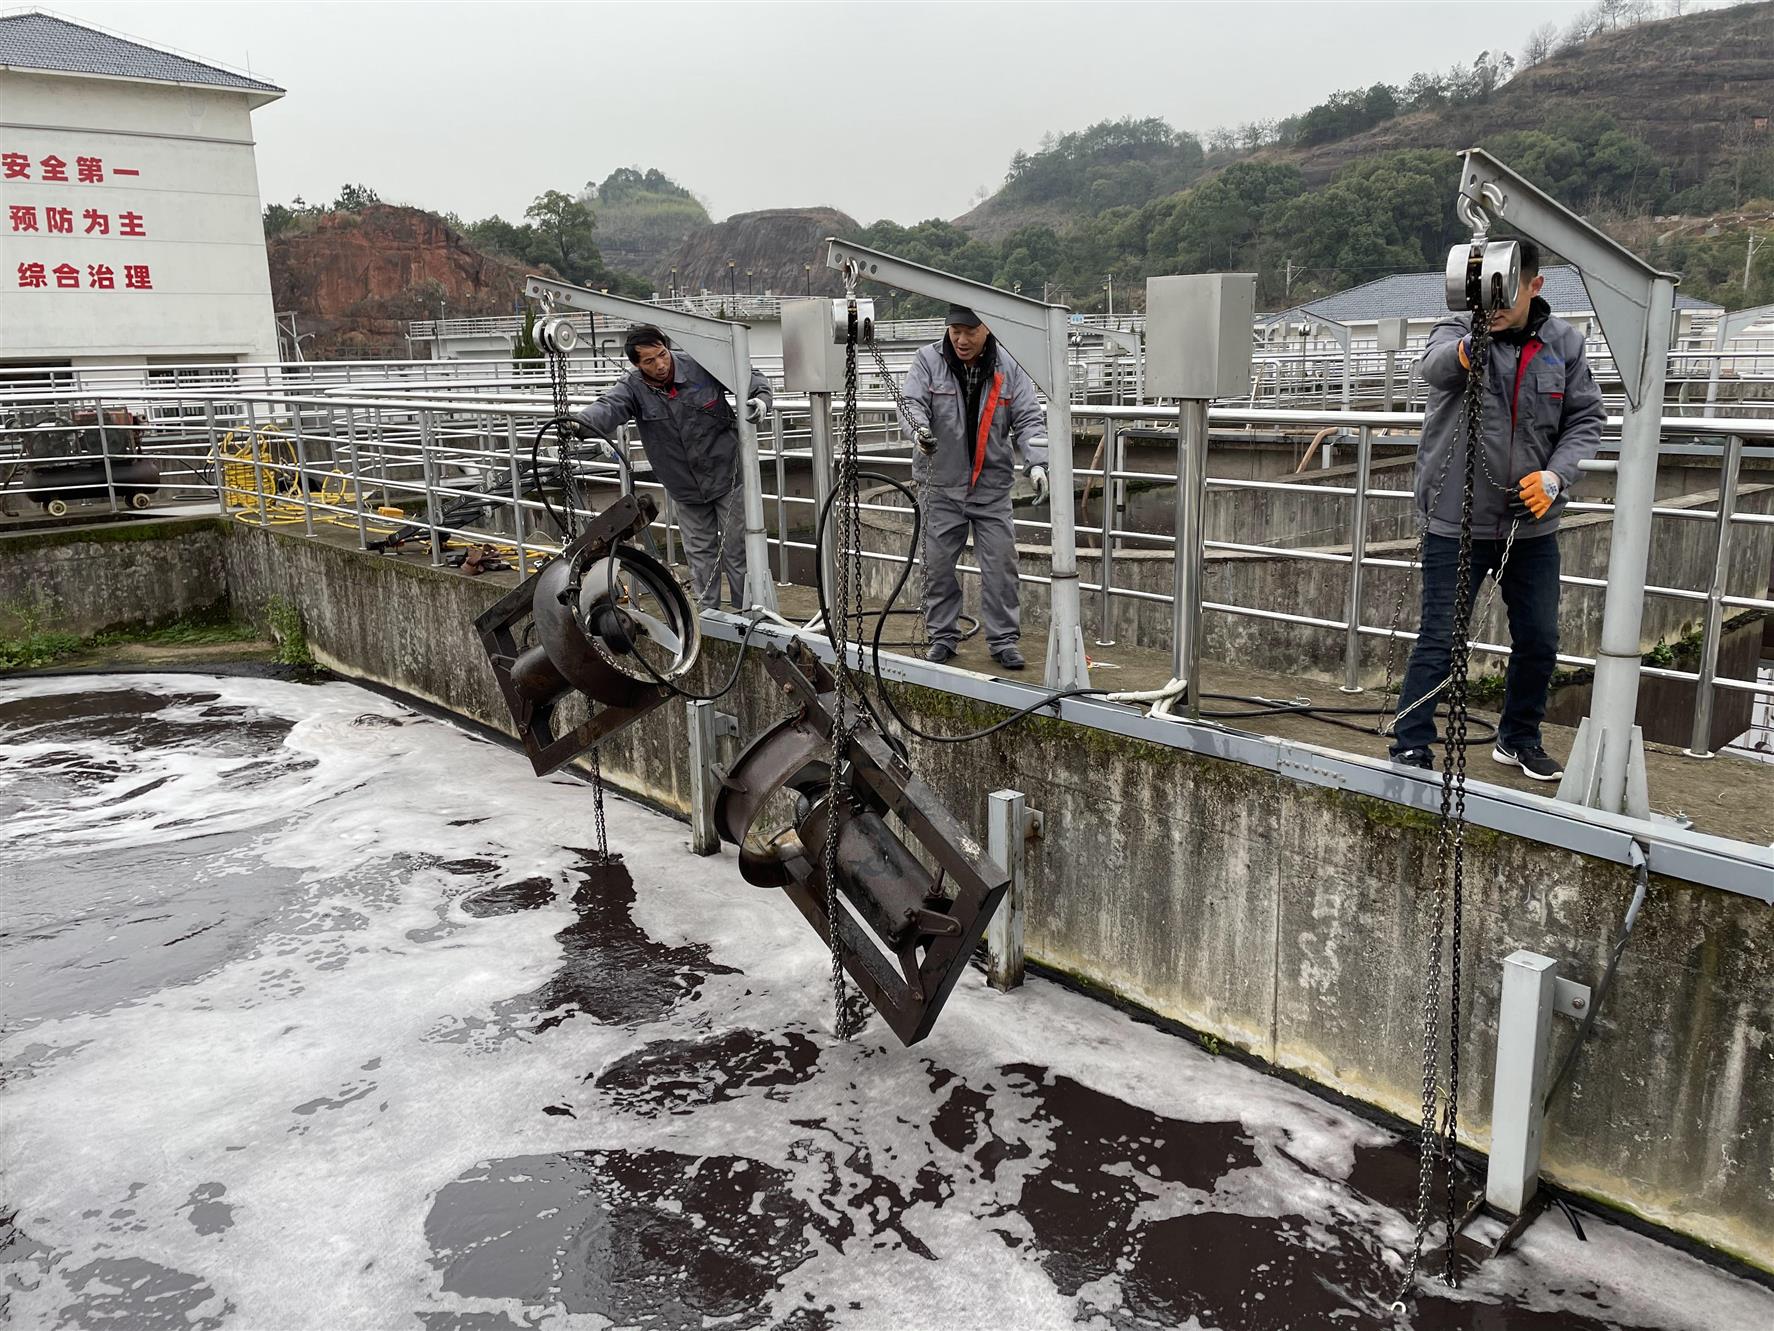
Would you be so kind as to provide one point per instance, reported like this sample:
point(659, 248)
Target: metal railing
point(449, 460)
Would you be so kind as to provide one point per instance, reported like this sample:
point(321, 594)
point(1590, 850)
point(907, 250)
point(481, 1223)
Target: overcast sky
point(887, 109)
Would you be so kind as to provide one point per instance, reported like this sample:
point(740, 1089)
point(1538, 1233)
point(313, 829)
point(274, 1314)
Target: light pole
point(751, 287)
point(732, 280)
point(674, 284)
point(807, 276)
point(1111, 295)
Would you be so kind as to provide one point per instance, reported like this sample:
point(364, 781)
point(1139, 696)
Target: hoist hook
point(850, 273)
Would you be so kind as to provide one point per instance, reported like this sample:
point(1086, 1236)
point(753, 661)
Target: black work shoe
point(940, 653)
point(1418, 758)
point(1532, 759)
point(1010, 658)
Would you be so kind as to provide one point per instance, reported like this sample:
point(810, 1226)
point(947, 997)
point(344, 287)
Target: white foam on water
point(365, 1054)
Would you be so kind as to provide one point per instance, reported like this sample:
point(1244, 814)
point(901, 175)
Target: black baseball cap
point(960, 314)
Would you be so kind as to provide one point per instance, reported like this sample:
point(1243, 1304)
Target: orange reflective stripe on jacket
point(985, 428)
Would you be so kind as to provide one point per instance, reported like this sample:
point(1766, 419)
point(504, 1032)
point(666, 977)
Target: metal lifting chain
point(847, 597)
point(1438, 1142)
point(563, 413)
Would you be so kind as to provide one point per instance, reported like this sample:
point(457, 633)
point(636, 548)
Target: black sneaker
point(1532, 759)
point(940, 653)
point(1010, 658)
point(1421, 759)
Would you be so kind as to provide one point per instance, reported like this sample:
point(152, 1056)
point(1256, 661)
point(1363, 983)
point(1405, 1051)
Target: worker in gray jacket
point(1542, 415)
point(692, 440)
point(968, 407)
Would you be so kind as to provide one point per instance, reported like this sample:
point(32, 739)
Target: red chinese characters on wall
point(55, 220)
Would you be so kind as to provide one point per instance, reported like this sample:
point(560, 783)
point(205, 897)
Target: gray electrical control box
point(1393, 334)
point(1198, 335)
point(812, 352)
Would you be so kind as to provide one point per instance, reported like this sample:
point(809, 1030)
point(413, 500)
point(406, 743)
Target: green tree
point(565, 226)
point(355, 198)
point(278, 219)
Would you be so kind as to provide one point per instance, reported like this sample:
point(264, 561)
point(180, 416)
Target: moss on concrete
point(32, 647)
point(107, 533)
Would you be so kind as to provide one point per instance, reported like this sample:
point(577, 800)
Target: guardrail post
point(706, 727)
point(1191, 500)
point(1524, 1030)
point(363, 535)
point(302, 471)
point(1364, 453)
point(215, 451)
point(1700, 742)
point(1112, 484)
point(98, 411)
point(517, 497)
point(819, 418)
point(252, 434)
point(1007, 829)
point(427, 475)
point(781, 503)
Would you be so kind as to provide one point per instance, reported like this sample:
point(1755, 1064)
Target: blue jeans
point(1530, 593)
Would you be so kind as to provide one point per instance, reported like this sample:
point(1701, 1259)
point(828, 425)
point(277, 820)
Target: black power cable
point(1254, 707)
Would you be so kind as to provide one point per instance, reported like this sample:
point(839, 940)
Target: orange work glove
point(1536, 492)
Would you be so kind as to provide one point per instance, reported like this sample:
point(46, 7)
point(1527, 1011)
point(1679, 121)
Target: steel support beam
point(1035, 334)
point(722, 347)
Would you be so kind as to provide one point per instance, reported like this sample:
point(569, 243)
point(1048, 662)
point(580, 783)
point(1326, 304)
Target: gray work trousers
point(706, 529)
point(949, 514)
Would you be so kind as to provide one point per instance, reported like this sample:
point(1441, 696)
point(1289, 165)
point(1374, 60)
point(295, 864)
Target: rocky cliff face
point(354, 279)
point(773, 246)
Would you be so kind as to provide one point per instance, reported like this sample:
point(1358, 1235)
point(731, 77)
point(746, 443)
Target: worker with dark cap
point(969, 407)
point(691, 436)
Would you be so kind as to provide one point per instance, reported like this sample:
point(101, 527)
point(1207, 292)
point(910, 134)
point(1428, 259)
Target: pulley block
point(556, 334)
point(1483, 275)
point(605, 621)
point(904, 932)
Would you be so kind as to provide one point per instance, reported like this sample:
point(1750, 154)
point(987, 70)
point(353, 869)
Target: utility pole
point(1755, 243)
point(1111, 297)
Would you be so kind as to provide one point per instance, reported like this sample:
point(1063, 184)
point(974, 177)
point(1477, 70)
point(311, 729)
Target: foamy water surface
point(315, 1014)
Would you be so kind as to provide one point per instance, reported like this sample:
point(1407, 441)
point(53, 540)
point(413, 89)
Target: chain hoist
point(846, 606)
point(558, 337)
point(1485, 278)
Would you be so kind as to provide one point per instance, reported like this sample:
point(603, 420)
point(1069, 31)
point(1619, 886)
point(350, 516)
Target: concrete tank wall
point(1283, 919)
point(84, 579)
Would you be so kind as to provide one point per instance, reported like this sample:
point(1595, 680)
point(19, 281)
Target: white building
point(130, 227)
